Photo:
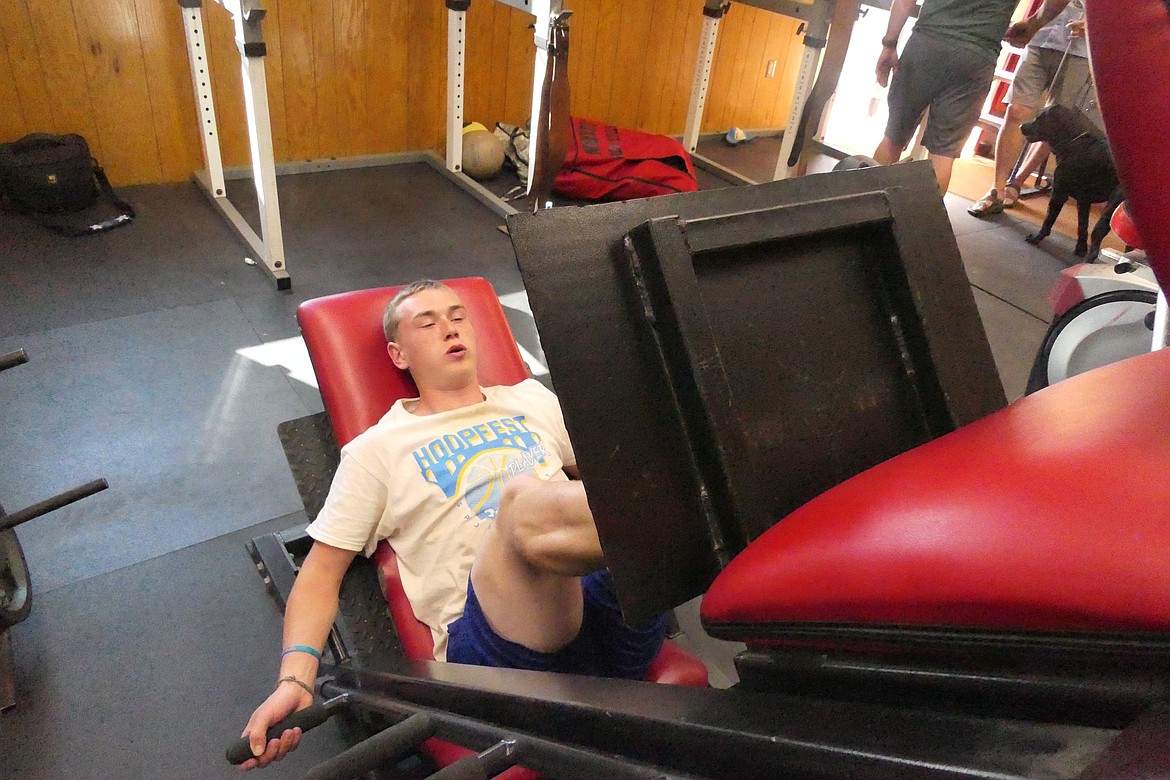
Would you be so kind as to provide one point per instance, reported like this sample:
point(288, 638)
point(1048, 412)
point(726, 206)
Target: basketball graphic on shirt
point(483, 480)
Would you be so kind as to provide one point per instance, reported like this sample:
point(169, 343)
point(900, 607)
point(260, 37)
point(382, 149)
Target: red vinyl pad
point(1050, 515)
point(1122, 224)
point(1128, 45)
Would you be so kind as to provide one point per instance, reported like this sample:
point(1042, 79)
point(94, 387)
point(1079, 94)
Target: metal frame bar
point(268, 245)
point(736, 733)
point(816, 17)
point(456, 61)
point(1161, 323)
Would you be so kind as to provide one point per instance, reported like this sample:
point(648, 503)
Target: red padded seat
point(1049, 516)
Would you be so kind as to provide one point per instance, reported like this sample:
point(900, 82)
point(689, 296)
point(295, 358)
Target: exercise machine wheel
point(1097, 331)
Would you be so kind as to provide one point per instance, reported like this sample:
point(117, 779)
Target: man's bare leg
point(527, 573)
point(942, 171)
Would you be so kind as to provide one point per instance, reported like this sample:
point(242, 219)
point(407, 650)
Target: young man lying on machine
point(496, 543)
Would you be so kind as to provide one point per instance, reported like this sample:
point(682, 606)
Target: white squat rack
point(247, 15)
point(815, 15)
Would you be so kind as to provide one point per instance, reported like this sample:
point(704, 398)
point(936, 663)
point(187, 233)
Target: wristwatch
point(890, 43)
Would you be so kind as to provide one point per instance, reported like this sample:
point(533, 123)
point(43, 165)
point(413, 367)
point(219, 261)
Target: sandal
point(990, 204)
point(1011, 194)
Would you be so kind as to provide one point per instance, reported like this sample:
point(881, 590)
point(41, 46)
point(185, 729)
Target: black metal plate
point(792, 302)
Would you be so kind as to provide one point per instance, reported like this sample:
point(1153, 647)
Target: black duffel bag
point(53, 178)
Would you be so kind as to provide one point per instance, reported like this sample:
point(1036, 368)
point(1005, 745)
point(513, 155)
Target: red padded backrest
point(358, 382)
point(1129, 44)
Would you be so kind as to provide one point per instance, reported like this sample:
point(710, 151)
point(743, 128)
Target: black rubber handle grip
point(13, 359)
point(308, 718)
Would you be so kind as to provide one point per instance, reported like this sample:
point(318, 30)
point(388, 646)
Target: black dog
point(1084, 171)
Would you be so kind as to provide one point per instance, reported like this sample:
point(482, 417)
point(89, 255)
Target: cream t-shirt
point(430, 485)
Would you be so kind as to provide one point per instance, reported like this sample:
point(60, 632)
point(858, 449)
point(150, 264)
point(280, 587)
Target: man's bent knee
point(549, 526)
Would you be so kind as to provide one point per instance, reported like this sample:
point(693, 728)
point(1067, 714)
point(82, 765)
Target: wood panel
point(116, 78)
point(21, 41)
point(389, 114)
point(355, 77)
point(12, 122)
point(426, 86)
point(172, 100)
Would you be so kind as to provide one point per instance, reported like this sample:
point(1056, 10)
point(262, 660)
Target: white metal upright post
point(456, 57)
point(268, 246)
point(711, 16)
point(1161, 322)
point(201, 79)
point(816, 35)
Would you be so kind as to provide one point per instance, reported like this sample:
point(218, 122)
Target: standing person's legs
point(1023, 99)
point(956, 108)
point(911, 89)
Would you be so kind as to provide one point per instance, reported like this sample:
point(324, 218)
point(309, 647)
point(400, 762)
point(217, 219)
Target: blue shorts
point(605, 647)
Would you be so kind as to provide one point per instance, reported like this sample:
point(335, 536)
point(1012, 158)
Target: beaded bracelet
point(301, 649)
point(292, 679)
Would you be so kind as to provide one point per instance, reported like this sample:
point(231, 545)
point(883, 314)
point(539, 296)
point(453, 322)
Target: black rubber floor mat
point(312, 455)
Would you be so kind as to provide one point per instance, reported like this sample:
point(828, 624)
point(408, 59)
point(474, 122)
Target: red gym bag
point(604, 162)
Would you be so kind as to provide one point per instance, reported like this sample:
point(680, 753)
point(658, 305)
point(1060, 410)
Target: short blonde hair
point(390, 315)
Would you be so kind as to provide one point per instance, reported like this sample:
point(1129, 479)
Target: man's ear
point(396, 356)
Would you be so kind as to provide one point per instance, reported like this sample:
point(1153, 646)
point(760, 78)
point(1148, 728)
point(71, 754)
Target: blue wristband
point(301, 649)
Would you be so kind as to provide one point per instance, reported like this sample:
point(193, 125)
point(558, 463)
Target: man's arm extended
point(308, 616)
point(1024, 30)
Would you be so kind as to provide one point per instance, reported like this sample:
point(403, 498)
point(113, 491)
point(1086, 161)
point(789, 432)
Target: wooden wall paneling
point(485, 66)
point(655, 67)
point(325, 75)
point(24, 59)
point(168, 82)
point(353, 63)
point(767, 92)
point(12, 123)
point(630, 66)
point(595, 103)
point(755, 64)
point(498, 71)
point(582, 52)
point(793, 47)
point(117, 83)
point(223, 60)
point(521, 61)
point(733, 32)
point(427, 82)
point(273, 75)
point(298, 85)
point(389, 113)
point(736, 113)
point(686, 55)
point(62, 65)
